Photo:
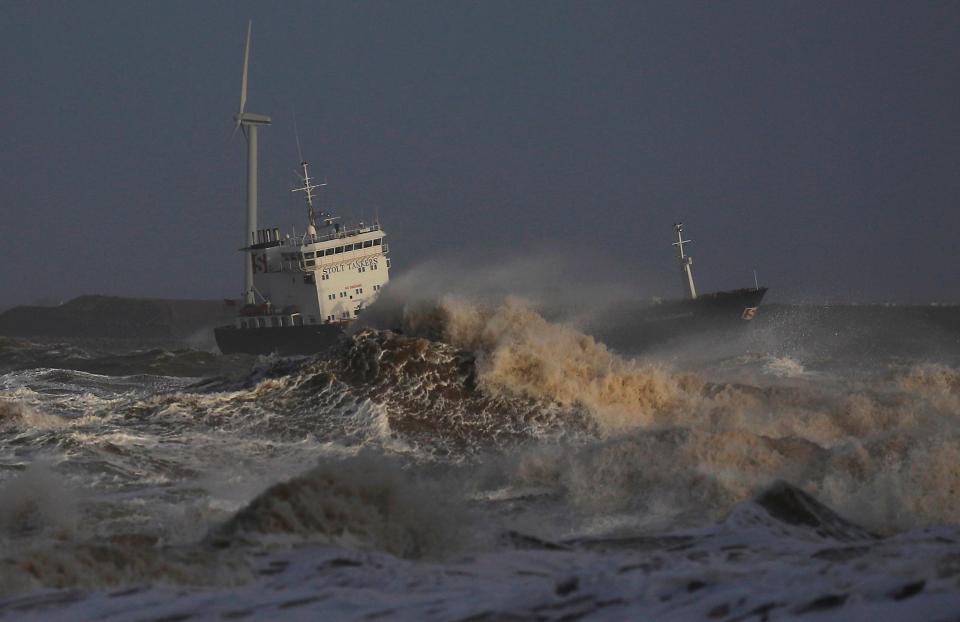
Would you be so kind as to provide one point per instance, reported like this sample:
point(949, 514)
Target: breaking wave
point(365, 501)
point(631, 436)
point(444, 429)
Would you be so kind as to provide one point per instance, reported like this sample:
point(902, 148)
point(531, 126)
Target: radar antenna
point(686, 262)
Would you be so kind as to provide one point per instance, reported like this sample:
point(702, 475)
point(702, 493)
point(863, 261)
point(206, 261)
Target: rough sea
point(485, 463)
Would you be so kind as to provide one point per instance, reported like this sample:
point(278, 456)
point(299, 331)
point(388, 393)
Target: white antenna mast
point(686, 262)
point(308, 187)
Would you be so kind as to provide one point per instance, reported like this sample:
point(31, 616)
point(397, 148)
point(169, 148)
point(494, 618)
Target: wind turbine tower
point(248, 123)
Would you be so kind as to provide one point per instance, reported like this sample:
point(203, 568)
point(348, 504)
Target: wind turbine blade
point(246, 65)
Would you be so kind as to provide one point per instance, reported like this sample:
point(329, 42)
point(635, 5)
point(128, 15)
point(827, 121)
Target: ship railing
point(302, 240)
point(270, 320)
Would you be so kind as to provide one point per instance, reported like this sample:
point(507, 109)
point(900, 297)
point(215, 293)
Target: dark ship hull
point(635, 326)
point(733, 306)
point(282, 340)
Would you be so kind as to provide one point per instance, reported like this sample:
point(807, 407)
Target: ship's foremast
point(686, 262)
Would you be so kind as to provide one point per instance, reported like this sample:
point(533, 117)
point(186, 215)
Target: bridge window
point(348, 247)
point(308, 255)
point(329, 251)
point(338, 250)
point(368, 244)
point(377, 241)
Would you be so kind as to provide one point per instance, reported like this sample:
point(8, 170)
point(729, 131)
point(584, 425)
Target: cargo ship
point(635, 325)
point(301, 290)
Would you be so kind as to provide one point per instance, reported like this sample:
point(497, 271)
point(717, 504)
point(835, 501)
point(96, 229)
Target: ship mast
point(248, 123)
point(307, 189)
point(686, 262)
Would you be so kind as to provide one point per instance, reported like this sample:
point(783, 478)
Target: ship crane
point(686, 262)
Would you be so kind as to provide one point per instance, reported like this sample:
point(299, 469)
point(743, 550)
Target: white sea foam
point(785, 367)
point(507, 432)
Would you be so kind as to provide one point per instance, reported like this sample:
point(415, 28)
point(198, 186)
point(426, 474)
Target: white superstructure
point(315, 279)
point(324, 276)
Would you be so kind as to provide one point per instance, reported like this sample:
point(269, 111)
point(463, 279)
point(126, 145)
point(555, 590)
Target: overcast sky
point(816, 142)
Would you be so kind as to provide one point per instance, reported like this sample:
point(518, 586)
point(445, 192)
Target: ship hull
point(282, 340)
point(735, 306)
point(634, 327)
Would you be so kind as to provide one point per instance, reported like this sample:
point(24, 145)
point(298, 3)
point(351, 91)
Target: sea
point(481, 460)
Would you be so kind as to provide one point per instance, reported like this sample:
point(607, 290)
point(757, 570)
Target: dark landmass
point(115, 318)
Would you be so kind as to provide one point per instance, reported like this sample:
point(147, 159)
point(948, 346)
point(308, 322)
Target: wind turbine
point(248, 122)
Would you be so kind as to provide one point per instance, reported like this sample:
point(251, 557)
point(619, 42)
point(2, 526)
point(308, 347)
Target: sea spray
point(518, 352)
point(37, 502)
point(16, 414)
point(503, 373)
point(574, 479)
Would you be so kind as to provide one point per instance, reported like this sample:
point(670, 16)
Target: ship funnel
point(686, 262)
